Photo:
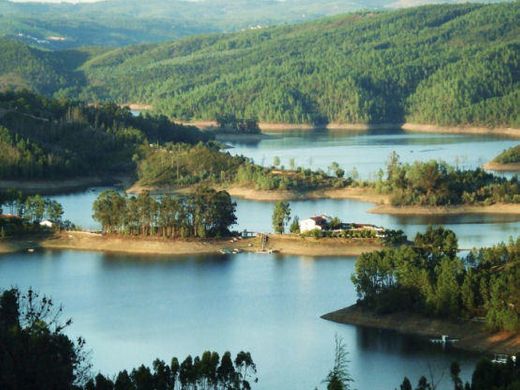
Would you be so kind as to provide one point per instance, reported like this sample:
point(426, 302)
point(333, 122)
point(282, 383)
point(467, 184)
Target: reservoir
point(133, 309)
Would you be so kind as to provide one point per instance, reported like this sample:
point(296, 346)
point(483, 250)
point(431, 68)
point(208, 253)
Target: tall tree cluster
point(206, 372)
point(204, 213)
point(429, 277)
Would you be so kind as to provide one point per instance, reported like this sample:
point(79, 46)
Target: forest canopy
point(509, 156)
point(429, 277)
point(439, 64)
point(55, 138)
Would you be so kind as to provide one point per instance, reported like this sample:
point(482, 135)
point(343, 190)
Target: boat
point(502, 358)
point(444, 339)
point(30, 250)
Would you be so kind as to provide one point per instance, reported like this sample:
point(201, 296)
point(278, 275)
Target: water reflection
point(132, 309)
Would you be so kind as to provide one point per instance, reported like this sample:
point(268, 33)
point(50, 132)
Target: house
point(379, 231)
point(319, 222)
point(46, 223)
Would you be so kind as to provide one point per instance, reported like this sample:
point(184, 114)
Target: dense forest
point(429, 277)
point(441, 64)
point(435, 183)
point(509, 156)
point(55, 138)
point(204, 213)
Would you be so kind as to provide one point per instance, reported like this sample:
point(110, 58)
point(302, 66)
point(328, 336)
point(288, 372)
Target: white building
point(318, 222)
point(46, 223)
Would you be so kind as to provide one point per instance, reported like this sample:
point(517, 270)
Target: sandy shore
point(138, 106)
point(381, 201)
point(414, 127)
point(455, 210)
point(50, 187)
point(283, 244)
point(472, 335)
point(357, 193)
point(494, 166)
point(287, 127)
point(502, 131)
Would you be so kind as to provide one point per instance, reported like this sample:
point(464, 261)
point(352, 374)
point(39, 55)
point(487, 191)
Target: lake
point(368, 151)
point(132, 309)
point(472, 230)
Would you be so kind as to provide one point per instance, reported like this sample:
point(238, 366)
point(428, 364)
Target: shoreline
point(381, 202)
point(53, 187)
point(497, 209)
point(280, 244)
point(406, 126)
point(499, 167)
point(467, 130)
point(473, 336)
point(357, 127)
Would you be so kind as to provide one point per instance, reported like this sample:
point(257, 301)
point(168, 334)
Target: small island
point(507, 161)
point(427, 289)
point(191, 224)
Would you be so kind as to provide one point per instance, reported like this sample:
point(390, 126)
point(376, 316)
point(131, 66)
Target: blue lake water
point(369, 151)
point(132, 309)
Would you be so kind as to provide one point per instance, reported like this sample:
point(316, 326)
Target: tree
point(35, 353)
point(406, 385)
point(276, 161)
point(455, 376)
point(295, 225)
point(54, 211)
point(34, 208)
point(339, 377)
point(281, 216)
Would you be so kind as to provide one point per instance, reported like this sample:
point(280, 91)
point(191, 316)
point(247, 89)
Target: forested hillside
point(443, 64)
point(43, 138)
point(435, 64)
point(46, 72)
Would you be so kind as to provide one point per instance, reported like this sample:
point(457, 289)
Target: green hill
point(434, 64)
point(443, 64)
point(22, 66)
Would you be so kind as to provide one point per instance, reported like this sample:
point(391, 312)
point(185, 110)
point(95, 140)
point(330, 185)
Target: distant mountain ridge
point(124, 22)
point(443, 64)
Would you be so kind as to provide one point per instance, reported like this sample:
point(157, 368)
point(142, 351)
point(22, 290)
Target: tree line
point(486, 376)
point(202, 214)
point(436, 183)
point(428, 277)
